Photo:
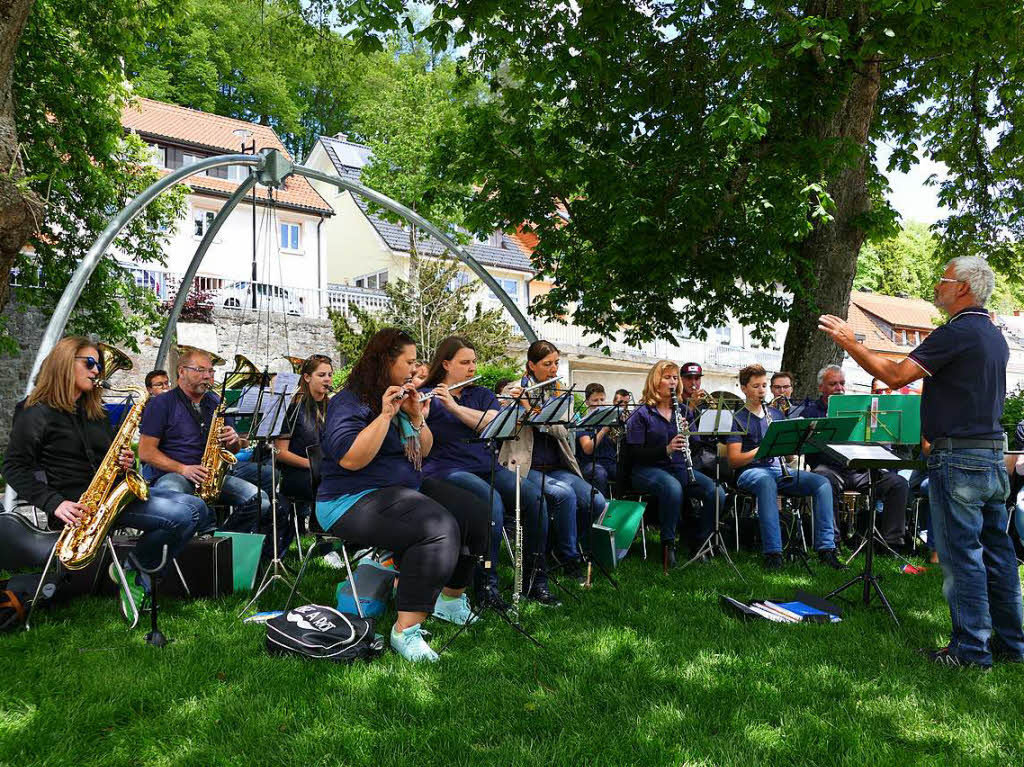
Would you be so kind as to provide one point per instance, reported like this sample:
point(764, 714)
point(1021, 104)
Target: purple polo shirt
point(347, 416)
point(649, 428)
point(755, 428)
point(171, 419)
point(451, 452)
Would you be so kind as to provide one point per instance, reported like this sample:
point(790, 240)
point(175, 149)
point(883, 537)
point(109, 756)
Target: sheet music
point(504, 423)
point(286, 382)
point(555, 411)
point(274, 411)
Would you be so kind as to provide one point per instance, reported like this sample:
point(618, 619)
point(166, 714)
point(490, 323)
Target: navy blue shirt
point(545, 447)
point(604, 454)
point(181, 431)
point(965, 362)
point(647, 427)
point(347, 416)
point(300, 428)
point(451, 452)
point(755, 428)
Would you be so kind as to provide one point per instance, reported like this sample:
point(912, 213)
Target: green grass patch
point(653, 674)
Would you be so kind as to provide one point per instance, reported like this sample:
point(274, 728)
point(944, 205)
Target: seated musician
point(546, 454)
point(373, 492)
point(595, 448)
point(765, 478)
point(703, 449)
point(303, 425)
point(457, 416)
point(157, 382)
point(173, 437)
point(63, 431)
point(892, 489)
point(655, 448)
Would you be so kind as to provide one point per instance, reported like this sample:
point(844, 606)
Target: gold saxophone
point(216, 459)
point(106, 496)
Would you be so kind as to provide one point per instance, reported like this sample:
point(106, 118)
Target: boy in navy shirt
point(595, 448)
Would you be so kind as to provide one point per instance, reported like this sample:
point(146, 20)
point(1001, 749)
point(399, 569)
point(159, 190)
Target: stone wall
point(228, 335)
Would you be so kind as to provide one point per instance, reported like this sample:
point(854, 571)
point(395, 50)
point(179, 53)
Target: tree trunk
point(832, 248)
point(20, 209)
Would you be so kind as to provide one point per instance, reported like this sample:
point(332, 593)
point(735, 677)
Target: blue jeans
point(671, 486)
point(597, 475)
point(763, 482)
point(567, 495)
point(167, 519)
point(535, 520)
point(256, 474)
point(967, 491)
point(250, 504)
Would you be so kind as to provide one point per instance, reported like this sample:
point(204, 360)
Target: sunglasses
point(91, 363)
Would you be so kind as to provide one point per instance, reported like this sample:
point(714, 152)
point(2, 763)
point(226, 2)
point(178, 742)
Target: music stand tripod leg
point(39, 587)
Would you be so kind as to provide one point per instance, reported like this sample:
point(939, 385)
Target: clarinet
point(683, 429)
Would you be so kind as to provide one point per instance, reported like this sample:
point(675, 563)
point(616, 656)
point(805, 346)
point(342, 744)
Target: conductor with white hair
point(963, 363)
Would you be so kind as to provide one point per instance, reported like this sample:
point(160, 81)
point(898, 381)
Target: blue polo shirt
point(181, 431)
point(451, 452)
point(647, 427)
point(604, 455)
point(347, 416)
point(755, 430)
point(965, 383)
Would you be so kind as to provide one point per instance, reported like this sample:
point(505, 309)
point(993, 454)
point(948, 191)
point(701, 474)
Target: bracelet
point(418, 429)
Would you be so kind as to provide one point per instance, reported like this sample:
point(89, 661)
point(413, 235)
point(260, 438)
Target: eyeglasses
point(198, 370)
point(161, 385)
point(948, 279)
point(91, 363)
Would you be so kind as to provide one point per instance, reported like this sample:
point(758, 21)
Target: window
point(723, 335)
point(290, 235)
point(458, 281)
point(375, 281)
point(219, 172)
point(201, 220)
point(509, 286)
point(178, 158)
point(229, 172)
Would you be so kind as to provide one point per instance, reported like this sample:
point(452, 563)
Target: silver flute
point(453, 387)
point(517, 577)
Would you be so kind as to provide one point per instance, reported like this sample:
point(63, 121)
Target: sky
point(910, 196)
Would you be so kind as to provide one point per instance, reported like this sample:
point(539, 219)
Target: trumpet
point(701, 400)
point(430, 395)
point(783, 404)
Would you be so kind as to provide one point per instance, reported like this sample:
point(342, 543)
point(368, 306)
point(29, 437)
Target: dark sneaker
point(829, 558)
point(668, 555)
point(772, 561)
point(542, 596)
point(574, 569)
point(492, 598)
point(943, 657)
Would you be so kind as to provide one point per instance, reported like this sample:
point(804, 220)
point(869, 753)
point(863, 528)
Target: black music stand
point(718, 423)
point(871, 457)
point(504, 427)
point(801, 436)
point(606, 415)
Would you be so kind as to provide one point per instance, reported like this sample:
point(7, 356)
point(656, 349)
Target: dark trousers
point(435, 533)
point(892, 489)
point(597, 474)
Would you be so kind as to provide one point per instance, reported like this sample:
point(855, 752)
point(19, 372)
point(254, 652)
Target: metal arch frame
point(271, 169)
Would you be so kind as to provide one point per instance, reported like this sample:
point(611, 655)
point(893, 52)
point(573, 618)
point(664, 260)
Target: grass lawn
point(654, 674)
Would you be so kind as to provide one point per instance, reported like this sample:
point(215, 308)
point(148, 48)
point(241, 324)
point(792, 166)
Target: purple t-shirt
point(649, 428)
point(181, 431)
point(346, 418)
point(755, 428)
point(451, 452)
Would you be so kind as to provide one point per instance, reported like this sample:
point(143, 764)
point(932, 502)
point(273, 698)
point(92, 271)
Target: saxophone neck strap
point(193, 409)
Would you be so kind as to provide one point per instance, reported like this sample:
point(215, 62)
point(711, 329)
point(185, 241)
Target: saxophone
point(683, 430)
point(216, 459)
point(106, 496)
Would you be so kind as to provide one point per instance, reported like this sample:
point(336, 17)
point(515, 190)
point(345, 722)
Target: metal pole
point(170, 327)
point(59, 319)
point(414, 218)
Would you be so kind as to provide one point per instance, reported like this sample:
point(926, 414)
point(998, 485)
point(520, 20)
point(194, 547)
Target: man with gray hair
point(964, 364)
point(891, 489)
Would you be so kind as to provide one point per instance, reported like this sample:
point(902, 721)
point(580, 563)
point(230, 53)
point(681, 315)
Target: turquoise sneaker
point(129, 612)
point(454, 610)
point(411, 646)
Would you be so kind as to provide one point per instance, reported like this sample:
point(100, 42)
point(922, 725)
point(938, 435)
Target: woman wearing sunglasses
point(63, 431)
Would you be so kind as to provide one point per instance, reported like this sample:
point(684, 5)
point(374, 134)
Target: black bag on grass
point(315, 631)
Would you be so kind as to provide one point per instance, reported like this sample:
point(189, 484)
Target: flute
point(430, 395)
point(542, 384)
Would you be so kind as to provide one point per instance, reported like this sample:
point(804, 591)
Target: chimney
point(341, 136)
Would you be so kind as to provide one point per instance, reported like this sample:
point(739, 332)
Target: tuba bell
point(244, 374)
point(113, 359)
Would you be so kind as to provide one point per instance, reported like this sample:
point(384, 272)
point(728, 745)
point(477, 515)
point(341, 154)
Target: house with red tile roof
point(290, 237)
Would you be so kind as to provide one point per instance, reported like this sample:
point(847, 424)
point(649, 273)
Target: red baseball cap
point(691, 369)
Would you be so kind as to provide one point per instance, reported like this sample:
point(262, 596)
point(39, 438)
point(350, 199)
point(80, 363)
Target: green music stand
point(889, 418)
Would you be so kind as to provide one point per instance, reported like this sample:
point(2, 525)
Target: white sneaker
point(333, 560)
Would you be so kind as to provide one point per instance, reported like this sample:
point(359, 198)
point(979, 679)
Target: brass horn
point(215, 359)
point(114, 360)
point(244, 374)
point(296, 362)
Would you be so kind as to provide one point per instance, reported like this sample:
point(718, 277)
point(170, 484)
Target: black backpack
point(315, 631)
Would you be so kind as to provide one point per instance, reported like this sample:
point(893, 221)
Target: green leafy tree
point(681, 160)
point(70, 90)
point(442, 306)
point(906, 263)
